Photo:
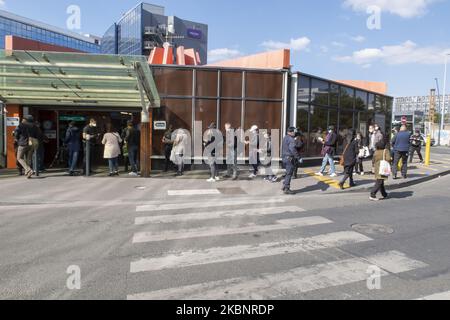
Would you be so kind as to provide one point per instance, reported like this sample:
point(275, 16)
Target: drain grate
point(373, 229)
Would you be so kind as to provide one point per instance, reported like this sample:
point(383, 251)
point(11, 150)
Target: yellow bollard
point(428, 151)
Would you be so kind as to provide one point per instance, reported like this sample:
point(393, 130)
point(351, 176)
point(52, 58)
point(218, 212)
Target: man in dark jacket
point(328, 152)
point(290, 157)
point(401, 144)
point(350, 156)
point(416, 146)
point(27, 141)
point(132, 140)
point(73, 143)
point(232, 152)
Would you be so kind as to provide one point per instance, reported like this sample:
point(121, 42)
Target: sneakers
point(319, 174)
point(211, 180)
point(374, 199)
point(252, 176)
point(217, 178)
point(289, 192)
point(333, 175)
point(133, 174)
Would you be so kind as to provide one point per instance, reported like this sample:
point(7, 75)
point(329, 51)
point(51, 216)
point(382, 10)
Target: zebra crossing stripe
point(288, 283)
point(144, 237)
point(445, 296)
point(246, 252)
point(216, 215)
point(205, 204)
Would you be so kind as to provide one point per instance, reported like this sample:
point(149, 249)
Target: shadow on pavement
point(401, 195)
point(320, 186)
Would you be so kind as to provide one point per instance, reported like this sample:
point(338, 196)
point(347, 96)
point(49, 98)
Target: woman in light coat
point(112, 141)
point(179, 150)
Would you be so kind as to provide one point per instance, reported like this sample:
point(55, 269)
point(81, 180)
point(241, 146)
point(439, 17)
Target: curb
point(401, 185)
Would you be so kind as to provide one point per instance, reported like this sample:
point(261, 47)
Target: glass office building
point(13, 25)
point(146, 26)
point(321, 103)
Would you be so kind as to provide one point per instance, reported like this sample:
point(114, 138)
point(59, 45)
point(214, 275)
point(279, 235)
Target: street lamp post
point(440, 109)
point(441, 129)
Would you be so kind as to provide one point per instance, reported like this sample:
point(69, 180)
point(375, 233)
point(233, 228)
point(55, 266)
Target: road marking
point(204, 204)
point(445, 296)
point(328, 181)
point(246, 252)
point(216, 215)
point(288, 283)
point(287, 224)
point(193, 192)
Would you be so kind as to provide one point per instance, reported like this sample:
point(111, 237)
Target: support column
point(146, 143)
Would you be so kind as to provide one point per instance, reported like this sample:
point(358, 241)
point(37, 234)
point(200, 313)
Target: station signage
point(160, 125)
point(12, 121)
point(194, 34)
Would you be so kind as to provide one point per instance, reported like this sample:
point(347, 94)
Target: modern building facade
point(419, 104)
point(146, 26)
point(17, 26)
point(318, 103)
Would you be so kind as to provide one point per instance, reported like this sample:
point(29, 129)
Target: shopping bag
point(385, 167)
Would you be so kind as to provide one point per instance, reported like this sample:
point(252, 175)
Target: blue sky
point(328, 38)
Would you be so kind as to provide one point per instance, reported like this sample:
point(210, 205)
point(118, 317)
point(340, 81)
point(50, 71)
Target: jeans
point(73, 160)
point(113, 165)
point(40, 157)
point(24, 155)
point(348, 174)
point(379, 186)
point(232, 169)
point(412, 151)
point(289, 173)
point(213, 167)
point(132, 156)
point(328, 159)
point(403, 155)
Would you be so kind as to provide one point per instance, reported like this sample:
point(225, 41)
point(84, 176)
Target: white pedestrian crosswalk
point(171, 222)
point(444, 296)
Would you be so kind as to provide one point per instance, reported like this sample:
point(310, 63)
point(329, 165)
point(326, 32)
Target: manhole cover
point(373, 229)
point(140, 188)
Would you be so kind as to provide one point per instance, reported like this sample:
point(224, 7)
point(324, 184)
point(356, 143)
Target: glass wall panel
point(266, 115)
point(231, 84)
point(176, 112)
point(334, 95)
point(371, 103)
point(304, 89)
point(206, 82)
point(320, 120)
point(361, 100)
point(320, 92)
point(206, 112)
point(231, 111)
point(302, 117)
point(345, 125)
point(173, 82)
point(347, 98)
point(263, 85)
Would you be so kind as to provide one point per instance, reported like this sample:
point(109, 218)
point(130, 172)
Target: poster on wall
point(12, 121)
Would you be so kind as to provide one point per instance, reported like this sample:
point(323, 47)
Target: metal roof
point(71, 79)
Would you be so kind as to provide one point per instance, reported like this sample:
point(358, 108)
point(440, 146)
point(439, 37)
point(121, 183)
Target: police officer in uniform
point(290, 158)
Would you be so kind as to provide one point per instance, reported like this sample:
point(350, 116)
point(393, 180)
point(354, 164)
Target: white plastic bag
point(385, 167)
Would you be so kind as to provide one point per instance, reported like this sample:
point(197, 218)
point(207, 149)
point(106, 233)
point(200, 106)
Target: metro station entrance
point(54, 122)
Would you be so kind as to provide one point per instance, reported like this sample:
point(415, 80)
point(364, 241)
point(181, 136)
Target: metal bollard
point(35, 163)
point(88, 157)
point(428, 151)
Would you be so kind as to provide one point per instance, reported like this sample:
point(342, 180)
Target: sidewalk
point(307, 182)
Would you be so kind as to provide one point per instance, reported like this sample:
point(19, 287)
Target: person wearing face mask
point(328, 153)
point(90, 134)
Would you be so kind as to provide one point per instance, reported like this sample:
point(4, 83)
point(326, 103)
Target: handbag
point(385, 167)
point(341, 159)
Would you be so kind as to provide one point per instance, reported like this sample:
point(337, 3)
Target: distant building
point(17, 26)
point(418, 104)
point(146, 27)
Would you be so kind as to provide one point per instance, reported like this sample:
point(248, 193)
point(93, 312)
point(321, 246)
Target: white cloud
point(223, 54)
point(358, 38)
point(338, 44)
point(2, 3)
point(402, 8)
point(404, 53)
point(299, 44)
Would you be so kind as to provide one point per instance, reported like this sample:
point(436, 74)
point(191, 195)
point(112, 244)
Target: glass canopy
point(50, 78)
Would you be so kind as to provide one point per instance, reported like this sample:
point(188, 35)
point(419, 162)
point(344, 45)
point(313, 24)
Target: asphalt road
point(146, 244)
